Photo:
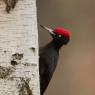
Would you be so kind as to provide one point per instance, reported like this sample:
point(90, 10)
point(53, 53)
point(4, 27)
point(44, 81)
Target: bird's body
point(48, 61)
point(49, 55)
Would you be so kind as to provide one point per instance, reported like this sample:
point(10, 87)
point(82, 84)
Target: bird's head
point(60, 35)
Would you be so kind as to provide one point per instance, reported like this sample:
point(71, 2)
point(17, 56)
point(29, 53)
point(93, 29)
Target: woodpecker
point(49, 55)
point(10, 4)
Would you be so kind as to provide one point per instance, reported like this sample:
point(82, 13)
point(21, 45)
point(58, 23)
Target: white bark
point(19, 49)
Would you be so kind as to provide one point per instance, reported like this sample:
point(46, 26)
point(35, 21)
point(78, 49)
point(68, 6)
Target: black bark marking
point(25, 89)
point(13, 62)
point(5, 72)
point(17, 56)
point(34, 50)
point(10, 4)
point(5, 51)
point(16, 59)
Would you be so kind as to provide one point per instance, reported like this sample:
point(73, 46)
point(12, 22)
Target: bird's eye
point(60, 36)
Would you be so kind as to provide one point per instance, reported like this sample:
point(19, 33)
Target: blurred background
point(75, 73)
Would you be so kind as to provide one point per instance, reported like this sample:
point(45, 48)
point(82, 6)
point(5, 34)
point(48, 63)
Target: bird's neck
point(55, 45)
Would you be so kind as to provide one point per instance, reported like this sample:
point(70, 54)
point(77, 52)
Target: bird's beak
point(48, 29)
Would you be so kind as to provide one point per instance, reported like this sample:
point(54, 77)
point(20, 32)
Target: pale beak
point(48, 29)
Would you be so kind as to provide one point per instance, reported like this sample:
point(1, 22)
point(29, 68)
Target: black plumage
point(49, 55)
point(48, 61)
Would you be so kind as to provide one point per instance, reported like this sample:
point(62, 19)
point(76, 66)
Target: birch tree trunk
point(19, 73)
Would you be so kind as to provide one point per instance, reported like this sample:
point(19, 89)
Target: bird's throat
point(57, 45)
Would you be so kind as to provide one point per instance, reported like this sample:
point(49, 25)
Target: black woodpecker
point(49, 55)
